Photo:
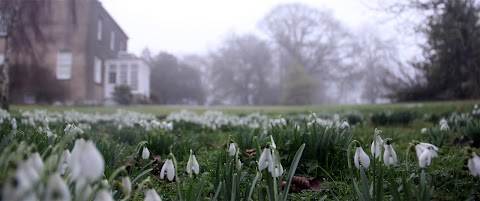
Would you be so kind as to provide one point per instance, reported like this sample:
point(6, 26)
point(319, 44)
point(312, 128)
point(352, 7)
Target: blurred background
point(108, 52)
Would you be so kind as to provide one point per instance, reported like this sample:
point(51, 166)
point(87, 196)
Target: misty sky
point(195, 27)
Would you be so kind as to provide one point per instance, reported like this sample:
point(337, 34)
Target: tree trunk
point(5, 85)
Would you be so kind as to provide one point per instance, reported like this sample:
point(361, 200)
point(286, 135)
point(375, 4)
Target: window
point(112, 74)
point(97, 64)
point(4, 17)
point(112, 40)
point(99, 29)
point(64, 65)
point(123, 74)
point(2, 58)
point(134, 77)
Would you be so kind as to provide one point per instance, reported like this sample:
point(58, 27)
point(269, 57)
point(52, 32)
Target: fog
point(297, 55)
point(231, 53)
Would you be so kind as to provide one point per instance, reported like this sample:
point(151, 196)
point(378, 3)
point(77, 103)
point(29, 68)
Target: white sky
point(197, 26)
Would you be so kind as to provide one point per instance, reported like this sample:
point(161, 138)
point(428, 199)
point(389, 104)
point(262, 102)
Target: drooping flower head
point(389, 156)
point(474, 164)
point(169, 168)
point(232, 149)
point(145, 153)
point(377, 142)
point(192, 164)
point(361, 158)
point(426, 152)
point(57, 189)
point(266, 159)
point(104, 195)
point(86, 161)
point(152, 195)
point(269, 160)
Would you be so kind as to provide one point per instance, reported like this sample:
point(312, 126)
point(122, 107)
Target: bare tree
point(379, 60)
point(309, 38)
point(240, 70)
point(20, 22)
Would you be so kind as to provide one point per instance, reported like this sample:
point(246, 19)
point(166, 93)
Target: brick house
point(76, 54)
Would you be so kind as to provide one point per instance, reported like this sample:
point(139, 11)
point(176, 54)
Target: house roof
point(106, 13)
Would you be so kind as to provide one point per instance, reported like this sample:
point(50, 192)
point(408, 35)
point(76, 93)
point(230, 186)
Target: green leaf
point(291, 171)
point(217, 191)
point(365, 188)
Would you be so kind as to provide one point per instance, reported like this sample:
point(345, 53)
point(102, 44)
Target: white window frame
point(64, 65)
point(112, 70)
point(97, 69)
point(99, 29)
point(134, 77)
point(123, 80)
point(4, 17)
point(112, 40)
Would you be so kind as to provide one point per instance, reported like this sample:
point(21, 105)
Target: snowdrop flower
point(36, 162)
point(361, 158)
point(474, 164)
point(273, 145)
point(376, 150)
point(442, 122)
point(145, 153)
point(72, 130)
point(64, 158)
point(86, 161)
point(444, 127)
point(278, 171)
point(422, 146)
point(57, 189)
point(21, 184)
point(389, 156)
point(192, 164)
point(169, 168)
point(276, 168)
point(82, 190)
point(266, 160)
point(344, 125)
point(283, 121)
point(169, 126)
point(424, 130)
point(426, 157)
point(232, 149)
point(14, 124)
point(126, 185)
point(104, 195)
point(45, 122)
point(151, 195)
point(238, 164)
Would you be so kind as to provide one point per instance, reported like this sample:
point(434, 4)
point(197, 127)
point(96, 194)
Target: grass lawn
point(162, 110)
point(324, 163)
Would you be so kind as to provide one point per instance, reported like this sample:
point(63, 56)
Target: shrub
point(122, 95)
point(391, 118)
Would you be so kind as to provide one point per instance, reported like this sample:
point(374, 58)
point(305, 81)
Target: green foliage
point(392, 118)
point(354, 118)
point(175, 82)
point(122, 95)
point(298, 87)
point(472, 131)
point(452, 49)
point(325, 146)
point(159, 142)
